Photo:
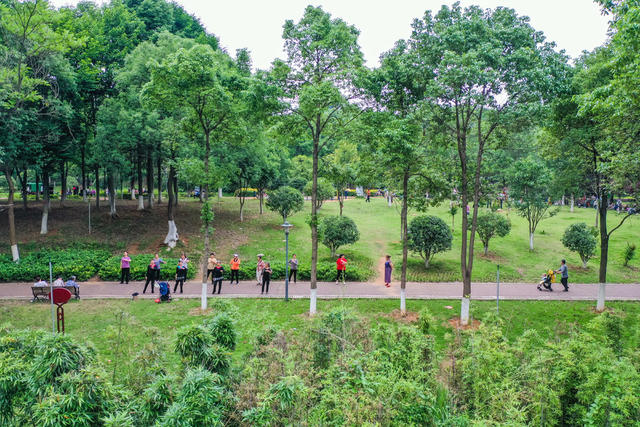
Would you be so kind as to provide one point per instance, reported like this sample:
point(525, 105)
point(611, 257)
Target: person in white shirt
point(58, 281)
point(40, 282)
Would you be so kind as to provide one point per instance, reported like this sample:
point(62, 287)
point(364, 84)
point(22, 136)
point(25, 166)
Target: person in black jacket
point(218, 272)
point(151, 276)
point(266, 278)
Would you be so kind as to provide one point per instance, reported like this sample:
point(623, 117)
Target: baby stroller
point(165, 292)
point(547, 279)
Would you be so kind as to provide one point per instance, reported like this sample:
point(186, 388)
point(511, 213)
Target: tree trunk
point(23, 184)
point(584, 263)
point(175, 189)
point(562, 201)
point(47, 202)
point(13, 241)
point(207, 151)
point(97, 187)
point(453, 222)
point(83, 167)
point(172, 236)
point(63, 182)
point(132, 187)
point(37, 187)
point(604, 253)
point(111, 185)
point(531, 241)
point(150, 179)
point(140, 195)
point(159, 162)
point(341, 203)
point(597, 216)
point(261, 198)
point(201, 193)
point(219, 192)
point(572, 203)
point(314, 220)
point(241, 199)
point(405, 243)
point(486, 249)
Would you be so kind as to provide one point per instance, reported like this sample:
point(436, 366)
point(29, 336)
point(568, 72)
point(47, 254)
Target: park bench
point(41, 293)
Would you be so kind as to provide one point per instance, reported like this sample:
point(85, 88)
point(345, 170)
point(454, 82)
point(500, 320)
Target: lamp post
point(286, 227)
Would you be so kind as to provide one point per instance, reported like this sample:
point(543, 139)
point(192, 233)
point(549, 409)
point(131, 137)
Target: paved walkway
point(479, 291)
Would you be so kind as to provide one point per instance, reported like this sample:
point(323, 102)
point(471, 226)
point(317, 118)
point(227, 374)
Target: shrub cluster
point(82, 263)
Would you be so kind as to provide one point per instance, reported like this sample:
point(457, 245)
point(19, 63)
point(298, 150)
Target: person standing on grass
point(368, 196)
point(217, 275)
point(181, 274)
point(564, 278)
point(259, 268)
point(235, 268)
point(341, 266)
point(125, 268)
point(211, 264)
point(266, 278)
point(156, 265)
point(151, 276)
point(293, 268)
point(388, 268)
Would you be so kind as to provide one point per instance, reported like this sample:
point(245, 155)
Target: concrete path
point(479, 291)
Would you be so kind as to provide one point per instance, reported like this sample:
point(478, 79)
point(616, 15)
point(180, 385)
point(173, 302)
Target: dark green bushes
point(82, 263)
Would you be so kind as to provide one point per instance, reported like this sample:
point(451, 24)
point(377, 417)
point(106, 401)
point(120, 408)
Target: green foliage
point(286, 201)
point(429, 235)
point(197, 347)
point(222, 330)
point(110, 269)
point(629, 253)
point(336, 231)
point(81, 263)
point(580, 238)
point(490, 224)
point(326, 191)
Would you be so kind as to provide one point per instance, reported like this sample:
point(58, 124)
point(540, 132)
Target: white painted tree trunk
point(15, 253)
point(389, 200)
point(45, 219)
point(572, 203)
point(133, 193)
point(112, 204)
point(140, 202)
point(312, 301)
point(220, 192)
point(464, 311)
point(203, 298)
point(601, 297)
point(150, 202)
point(531, 241)
point(172, 236)
point(403, 301)
point(562, 200)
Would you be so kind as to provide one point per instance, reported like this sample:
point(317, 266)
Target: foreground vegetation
point(263, 362)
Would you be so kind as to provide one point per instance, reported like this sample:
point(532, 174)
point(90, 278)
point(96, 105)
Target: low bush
point(110, 269)
point(82, 263)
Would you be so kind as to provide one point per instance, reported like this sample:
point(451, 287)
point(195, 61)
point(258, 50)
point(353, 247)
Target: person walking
point(217, 276)
point(341, 266)
point(259, 268)
point(151, 276)
point(266, 278)
point(293, 268)
point(157, 261)
point(564, 275)
point(125, 268)
point(235, 268)
point(211, 264)
point(388, 268)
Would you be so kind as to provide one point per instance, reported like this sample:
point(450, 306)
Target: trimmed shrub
point(81, 263)
point(429, 235)
point(336, 231)
point(580, 238)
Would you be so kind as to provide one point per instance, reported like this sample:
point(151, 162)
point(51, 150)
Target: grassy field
point(379, 225)
point(144, 322)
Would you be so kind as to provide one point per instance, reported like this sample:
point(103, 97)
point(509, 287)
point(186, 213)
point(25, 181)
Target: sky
point(574, 25)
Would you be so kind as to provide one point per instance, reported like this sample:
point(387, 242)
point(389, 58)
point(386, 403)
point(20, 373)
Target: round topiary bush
point(580, 238)
point(336, 231)
point(428, 235)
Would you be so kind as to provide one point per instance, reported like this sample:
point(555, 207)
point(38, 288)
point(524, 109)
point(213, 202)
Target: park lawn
point(145, 322)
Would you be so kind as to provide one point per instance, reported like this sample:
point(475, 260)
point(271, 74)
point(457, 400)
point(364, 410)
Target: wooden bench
point(41, 293)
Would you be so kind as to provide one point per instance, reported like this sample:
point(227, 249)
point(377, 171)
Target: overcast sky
point(575, 25)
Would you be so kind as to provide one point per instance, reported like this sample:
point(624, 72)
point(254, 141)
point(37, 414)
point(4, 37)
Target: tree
point(453, 211)
point(530, 181)
point(286, 201)
point(322, 56)
point(486, 71)
point(336, 231)
point(429, 235)
point(324, 191)
point(340, 168)
point(492, 224)
point(580, 238)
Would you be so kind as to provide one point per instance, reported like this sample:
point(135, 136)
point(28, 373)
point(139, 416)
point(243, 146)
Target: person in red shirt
point(341, 265)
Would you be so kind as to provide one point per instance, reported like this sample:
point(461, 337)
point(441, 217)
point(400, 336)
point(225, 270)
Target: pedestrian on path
point(388, 268)
point(341, 266)
point(181, 274)
point(125, 268)
point(157, 261)
point(151, 276)
point(293, 268)
point(564, 278)
point(266, 278)
point(211, 264)
point(259, 268)
point(217, 274)
point(235, 268)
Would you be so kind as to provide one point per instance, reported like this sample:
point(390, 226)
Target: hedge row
point(110, 269)
point(81, 263)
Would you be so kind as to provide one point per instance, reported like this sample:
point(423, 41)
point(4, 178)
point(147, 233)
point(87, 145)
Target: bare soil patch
point(409, 317)
point(454, 322)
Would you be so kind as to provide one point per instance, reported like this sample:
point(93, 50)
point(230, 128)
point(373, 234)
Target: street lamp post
point(286, 227)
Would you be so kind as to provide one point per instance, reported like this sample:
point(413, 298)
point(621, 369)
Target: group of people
point(59, 282)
